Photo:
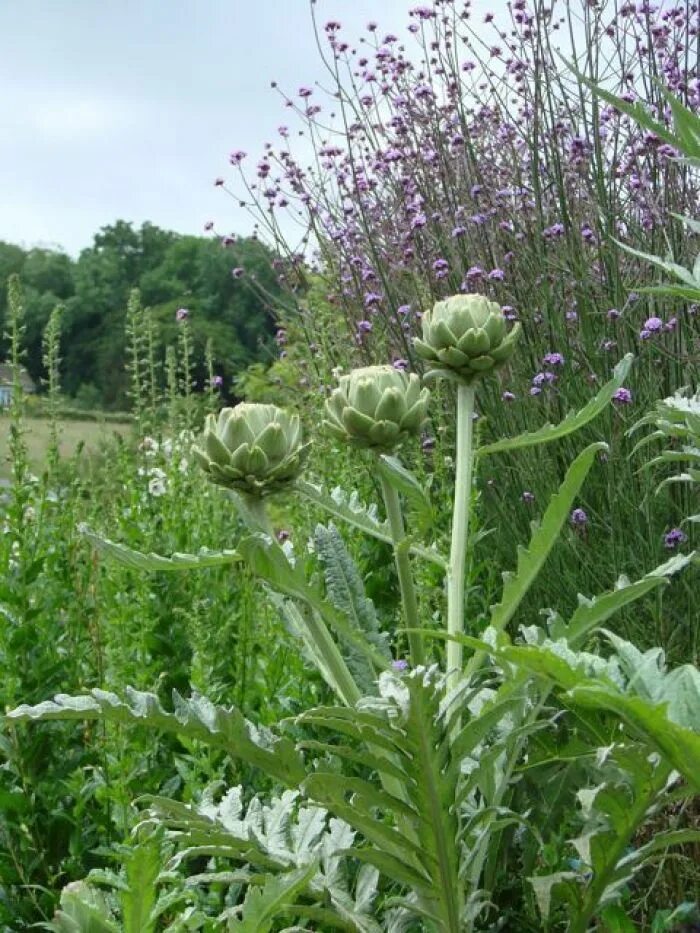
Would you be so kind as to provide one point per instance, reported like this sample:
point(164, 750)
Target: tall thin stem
point(456, 570)
point(403, 569)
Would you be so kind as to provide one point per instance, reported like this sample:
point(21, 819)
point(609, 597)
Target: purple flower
point(545, 378)
point(372, 298)
point(674, 538)
point(283, 535)
point(508, 396)
point(237, 272)
point(613, 314)
point(496, 275)
point(217, 382)
point(237, 157)
point(623, 396)
point(305, 92)
point(441, 268)
point(364, 327)
point(400, 665)
point(218, 182)
point(403, 309)
point(553, 359)
point(528, 496)
point(578, 518)
point(400, 364)
point(653, 325)
point(181, 315)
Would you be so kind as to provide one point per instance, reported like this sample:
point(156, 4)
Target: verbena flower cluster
point(461, 154)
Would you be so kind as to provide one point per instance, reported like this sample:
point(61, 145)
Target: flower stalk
point(402, 559)
point(456, 570)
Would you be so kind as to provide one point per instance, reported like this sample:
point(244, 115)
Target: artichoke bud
point(465, 337)
point(376, 407)
point(255, 449)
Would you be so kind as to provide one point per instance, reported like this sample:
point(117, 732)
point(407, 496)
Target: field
point(401, 634)
point(85, 436)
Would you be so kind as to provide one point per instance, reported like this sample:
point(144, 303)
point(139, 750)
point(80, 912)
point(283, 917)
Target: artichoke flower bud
point(255, 449)
point(465, 338)
point(376, 407)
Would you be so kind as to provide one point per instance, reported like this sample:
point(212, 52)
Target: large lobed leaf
point(136, 560)
point(197, 717)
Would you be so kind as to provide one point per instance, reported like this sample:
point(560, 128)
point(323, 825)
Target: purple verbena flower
point(674, 538)
point(181, 315)
point(578, 518)
point(623, 396)
point(553, 359)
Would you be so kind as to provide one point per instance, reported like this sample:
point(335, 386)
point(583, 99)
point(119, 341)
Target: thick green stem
point(403, 569)
point(456, 571)
point(254, 513)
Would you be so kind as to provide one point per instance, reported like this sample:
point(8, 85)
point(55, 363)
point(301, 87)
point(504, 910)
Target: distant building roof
point(24, 377)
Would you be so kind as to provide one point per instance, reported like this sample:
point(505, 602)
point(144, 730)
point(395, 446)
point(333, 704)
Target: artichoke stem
point(456, 570)
point(347, 689)
point(402, 558)
point(255, 515)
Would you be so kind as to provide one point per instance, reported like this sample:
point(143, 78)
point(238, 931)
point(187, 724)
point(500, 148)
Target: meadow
point(84, 437)
point(398, 630)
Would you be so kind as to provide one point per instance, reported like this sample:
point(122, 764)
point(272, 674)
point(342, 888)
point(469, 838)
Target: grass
point(90, 435)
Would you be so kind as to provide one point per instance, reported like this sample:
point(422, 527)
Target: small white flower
point(149, 446)
point(156, 486)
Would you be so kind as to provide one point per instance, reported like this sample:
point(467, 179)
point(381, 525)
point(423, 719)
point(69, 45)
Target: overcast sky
point(128, 108)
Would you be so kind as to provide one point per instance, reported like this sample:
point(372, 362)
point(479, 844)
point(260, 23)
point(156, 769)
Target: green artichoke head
point(376, 407)
point(255, 449)
point(465, 337)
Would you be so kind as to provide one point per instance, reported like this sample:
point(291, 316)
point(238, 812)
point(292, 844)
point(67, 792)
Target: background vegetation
point(442, 171)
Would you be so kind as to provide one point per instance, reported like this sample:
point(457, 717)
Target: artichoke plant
point(255, 449)
point(465, 337)
point(377, 407)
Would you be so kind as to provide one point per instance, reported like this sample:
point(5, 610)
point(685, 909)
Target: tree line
point(233, 309)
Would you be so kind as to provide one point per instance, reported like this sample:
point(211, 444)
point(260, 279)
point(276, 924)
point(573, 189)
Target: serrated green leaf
point(262, 906)
point(151, 562)
point(198, 718)
point(349, 509)
point(398, 476)
point(591, 614)
point(573, 421)
point(531, 560)
point(84, 909)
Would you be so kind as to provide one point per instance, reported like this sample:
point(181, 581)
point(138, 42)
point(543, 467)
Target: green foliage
point(170, 271)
